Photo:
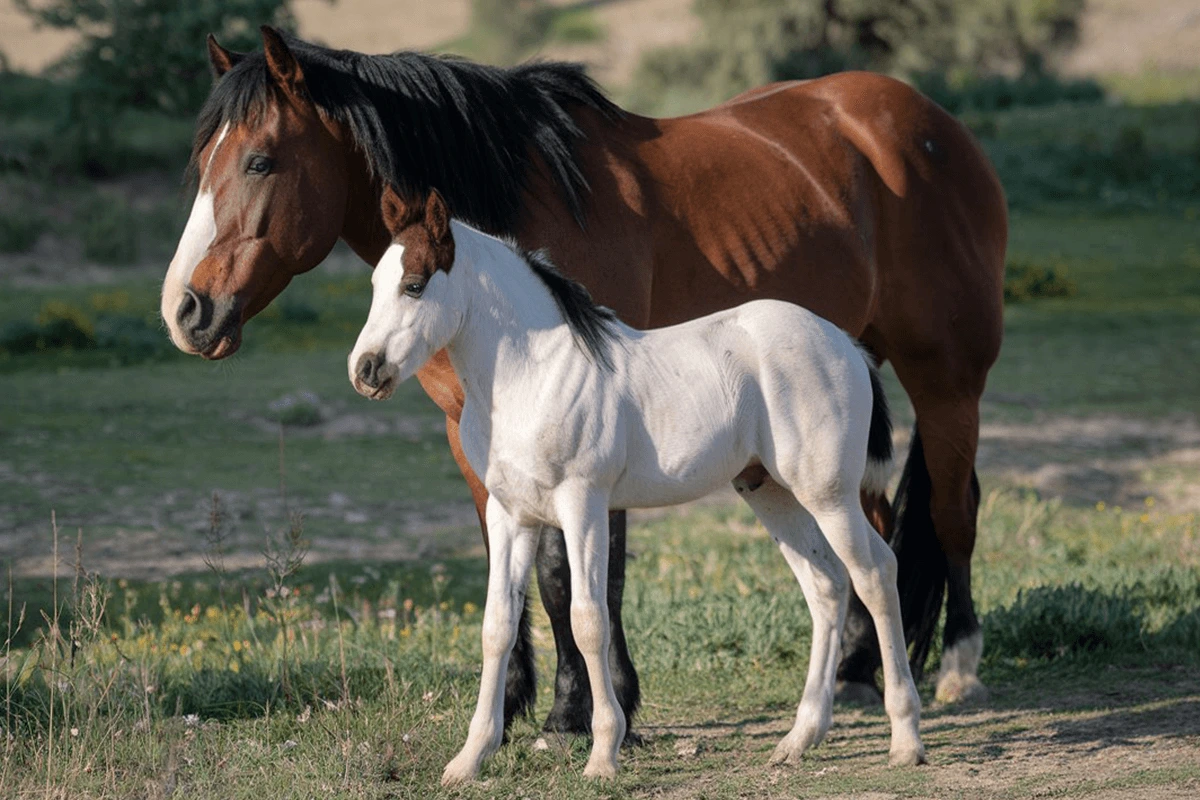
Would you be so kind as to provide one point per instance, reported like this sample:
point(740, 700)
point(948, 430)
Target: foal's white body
point(559, 438)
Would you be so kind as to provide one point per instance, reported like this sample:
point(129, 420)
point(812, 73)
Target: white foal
point(570, 413)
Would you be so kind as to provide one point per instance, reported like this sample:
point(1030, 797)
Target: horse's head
point(415, 309)
point(272, 199)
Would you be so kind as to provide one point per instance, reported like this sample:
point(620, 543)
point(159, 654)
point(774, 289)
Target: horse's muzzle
point(371, 378)
point(210, 327)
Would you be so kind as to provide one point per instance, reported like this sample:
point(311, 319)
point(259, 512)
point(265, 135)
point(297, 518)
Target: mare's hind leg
point(872, 568)
point(826, 588)
point(949, 434)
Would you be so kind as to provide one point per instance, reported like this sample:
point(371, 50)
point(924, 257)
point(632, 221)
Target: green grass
point(381, 673)
point(1127, 340)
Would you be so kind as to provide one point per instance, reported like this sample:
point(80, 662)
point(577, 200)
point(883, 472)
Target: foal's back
point(706, 398)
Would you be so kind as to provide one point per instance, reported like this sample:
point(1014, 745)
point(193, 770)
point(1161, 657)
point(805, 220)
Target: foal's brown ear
point(282, 64)
point(222, 60)
point(397, 215)
point(437, 216)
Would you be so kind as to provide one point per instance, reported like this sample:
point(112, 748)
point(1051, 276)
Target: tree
point(746, 43)
point(149, 54)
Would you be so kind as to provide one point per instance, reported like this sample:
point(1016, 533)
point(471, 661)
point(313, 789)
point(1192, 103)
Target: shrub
point(1053, 622)
point(1027, 280)
point(109, 231)
point(998, 92)
point(745, 43)
point(302, 410)
point(20, 230)
point(130, 338)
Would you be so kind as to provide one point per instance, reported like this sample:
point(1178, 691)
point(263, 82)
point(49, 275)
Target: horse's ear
point(282, 64)
point(396, 213)
point(437, 216)
point(222, 60)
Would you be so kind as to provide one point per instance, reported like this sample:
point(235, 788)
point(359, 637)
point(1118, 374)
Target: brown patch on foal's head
point(423, 230)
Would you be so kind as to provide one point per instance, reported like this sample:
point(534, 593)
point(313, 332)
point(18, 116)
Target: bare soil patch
point(1116, 460)
point(1139, 737)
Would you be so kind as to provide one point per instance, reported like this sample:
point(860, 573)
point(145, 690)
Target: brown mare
point(852, 195)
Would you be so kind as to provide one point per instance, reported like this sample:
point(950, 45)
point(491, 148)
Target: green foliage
point(1027, 280)
point(109, 230)
point(998, 92)
point(1120, 158)
point(149, 54)
point(20, 229)
point(1052, 622)
point(747, 43)
point(134, 58)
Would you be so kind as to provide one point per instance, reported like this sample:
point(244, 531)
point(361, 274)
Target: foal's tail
point(879, 436)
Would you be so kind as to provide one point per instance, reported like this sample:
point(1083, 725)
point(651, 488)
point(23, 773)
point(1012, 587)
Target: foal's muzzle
point(211, 328)
point(371, 378)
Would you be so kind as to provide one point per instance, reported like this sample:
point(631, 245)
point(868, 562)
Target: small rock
point(541, 744)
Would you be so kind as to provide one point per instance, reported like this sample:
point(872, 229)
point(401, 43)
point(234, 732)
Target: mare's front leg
point(510, 557)
point(584, 517)
point(572, 709)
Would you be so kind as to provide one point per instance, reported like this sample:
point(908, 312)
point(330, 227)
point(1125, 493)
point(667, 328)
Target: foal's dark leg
point(572, 710)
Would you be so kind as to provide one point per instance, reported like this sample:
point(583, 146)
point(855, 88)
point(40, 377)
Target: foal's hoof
point(909, 756)
point(632, 739)
point(853, 693)
point(791, 748)
point(960, 688)
point(458, 771)
point(601, 769)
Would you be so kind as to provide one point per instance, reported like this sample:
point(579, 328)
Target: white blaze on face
point(385, 299)
point(198, 235)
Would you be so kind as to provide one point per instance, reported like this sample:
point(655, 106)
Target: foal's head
point(415, 310)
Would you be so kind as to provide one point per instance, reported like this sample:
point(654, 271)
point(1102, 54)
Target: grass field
point(359, 679)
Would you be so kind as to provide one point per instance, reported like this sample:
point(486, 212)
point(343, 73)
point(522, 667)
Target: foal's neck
point(509, 314)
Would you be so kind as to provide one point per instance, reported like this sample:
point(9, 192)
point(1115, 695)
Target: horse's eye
point(414, 288)
point(259, 165)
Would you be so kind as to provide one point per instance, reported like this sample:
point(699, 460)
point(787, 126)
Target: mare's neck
point(509, 313)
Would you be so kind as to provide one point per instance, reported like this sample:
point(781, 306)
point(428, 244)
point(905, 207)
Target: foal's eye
point(259, 165)
point(414, 289)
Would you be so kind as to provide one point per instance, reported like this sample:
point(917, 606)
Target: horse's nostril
point(195, 312)
point(368, 370)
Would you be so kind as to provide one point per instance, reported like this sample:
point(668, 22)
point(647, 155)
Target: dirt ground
point(1117, 460)
point(1138, 738)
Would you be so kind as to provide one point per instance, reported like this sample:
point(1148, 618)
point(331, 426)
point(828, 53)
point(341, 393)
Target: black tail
point(879, 438)
point(922, 565)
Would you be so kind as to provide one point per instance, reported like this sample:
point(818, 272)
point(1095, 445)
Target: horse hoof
point(790, 750)
point(601, 769)
point(852, 693)
point(957, 688)
point(907, 756)
point(633, 739)
point(459, 770)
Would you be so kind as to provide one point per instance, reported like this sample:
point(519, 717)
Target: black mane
point(591, 324)
point(468, 130)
